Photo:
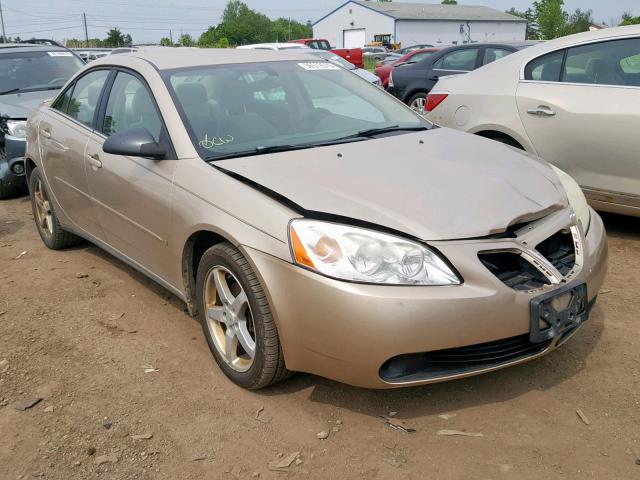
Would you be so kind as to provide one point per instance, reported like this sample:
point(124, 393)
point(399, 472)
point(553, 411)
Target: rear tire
point(49, 228)
point(418, 102)
point(236, 319)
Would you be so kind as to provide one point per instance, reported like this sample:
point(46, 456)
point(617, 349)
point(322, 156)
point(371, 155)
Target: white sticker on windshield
point(60, 54)
point(319, 66)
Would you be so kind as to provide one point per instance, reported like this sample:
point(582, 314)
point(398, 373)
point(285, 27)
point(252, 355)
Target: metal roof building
point(356, 23)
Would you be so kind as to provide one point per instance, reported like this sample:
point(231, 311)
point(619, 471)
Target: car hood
point(434, 185)
point(19, 105)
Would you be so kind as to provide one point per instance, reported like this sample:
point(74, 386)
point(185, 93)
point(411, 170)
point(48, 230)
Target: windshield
point(29, 71)
point(257, 106)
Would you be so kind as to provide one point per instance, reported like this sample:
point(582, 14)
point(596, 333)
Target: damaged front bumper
point(379, 336)
point(12, 168)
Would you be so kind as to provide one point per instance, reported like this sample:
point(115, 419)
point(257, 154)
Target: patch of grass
point(369, 64)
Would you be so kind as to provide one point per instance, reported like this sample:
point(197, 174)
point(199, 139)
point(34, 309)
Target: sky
point(149, 20)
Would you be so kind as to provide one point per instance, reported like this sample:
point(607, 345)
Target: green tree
point(166, 42)
point(628, 19)
point(449, 2)
point(578, 21)
point(552, 20)
point(186, 40)
point(208, 38)
point(284, 29)
point(223, 42)
point(114, 38)
point(532, 22)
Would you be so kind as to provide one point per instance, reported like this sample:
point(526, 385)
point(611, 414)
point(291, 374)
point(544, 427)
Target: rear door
point(579, 107)
point(63, 134)
point(132, 195)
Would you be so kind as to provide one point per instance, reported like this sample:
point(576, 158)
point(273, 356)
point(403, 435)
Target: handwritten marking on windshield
point(215, 141)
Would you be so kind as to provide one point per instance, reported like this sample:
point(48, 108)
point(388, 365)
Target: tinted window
point(464, 60)
point(85, 96)
point(130, 106)
point(492, 54)
point(546, 68)
point(604, 63)
point(420, 56)
point(29, 71)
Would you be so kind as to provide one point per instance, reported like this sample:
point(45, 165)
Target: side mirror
point(135, 142)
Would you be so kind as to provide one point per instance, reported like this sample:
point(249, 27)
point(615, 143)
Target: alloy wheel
point(44, 215)
point(229, 318)
point(419, 105)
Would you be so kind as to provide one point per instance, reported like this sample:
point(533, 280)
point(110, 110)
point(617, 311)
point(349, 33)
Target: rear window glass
point(546, 68)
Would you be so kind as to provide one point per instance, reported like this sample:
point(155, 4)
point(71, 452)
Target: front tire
point(49, 228)
point(236, 319)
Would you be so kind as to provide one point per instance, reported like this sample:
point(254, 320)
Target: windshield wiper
point(370, 132)
point(282, 148)
point(7, 92)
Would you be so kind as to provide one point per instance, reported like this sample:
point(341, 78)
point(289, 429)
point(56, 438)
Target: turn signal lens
point(299, 253)
point(434, 99)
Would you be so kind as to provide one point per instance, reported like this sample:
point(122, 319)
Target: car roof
point(277, 45)
point(29, 47)
point(166, 58)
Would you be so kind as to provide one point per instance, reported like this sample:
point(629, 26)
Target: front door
point(581, 114)
point(63, 134)
point(132, 195)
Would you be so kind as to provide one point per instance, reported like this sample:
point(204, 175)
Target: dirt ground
point(86, 334)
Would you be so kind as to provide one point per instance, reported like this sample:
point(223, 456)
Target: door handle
point(541, 111)
point(45, 133)
point(94, 161)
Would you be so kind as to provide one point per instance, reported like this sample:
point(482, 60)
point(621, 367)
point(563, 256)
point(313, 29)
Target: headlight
point(576, 198)
point(362, 255)
point(17, 128)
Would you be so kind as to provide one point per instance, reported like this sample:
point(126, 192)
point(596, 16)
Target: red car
point(383, 69)
point(352, 55)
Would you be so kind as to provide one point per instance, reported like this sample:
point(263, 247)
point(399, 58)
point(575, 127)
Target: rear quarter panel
point(481, 101)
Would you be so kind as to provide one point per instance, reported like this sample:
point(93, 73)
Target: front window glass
point(30, 71)
point(85, 96)
point(238, 108)
point(130, 106)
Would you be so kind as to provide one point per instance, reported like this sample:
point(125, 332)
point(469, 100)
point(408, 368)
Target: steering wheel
point(56, 81)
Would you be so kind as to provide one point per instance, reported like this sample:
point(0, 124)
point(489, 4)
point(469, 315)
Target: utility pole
point(4, 37)
point(171, 37)
point(86, 33)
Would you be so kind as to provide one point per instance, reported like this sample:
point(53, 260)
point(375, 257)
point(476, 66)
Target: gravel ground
point(114, 356)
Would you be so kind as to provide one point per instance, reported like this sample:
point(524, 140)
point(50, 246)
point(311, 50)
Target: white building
point(356, 23)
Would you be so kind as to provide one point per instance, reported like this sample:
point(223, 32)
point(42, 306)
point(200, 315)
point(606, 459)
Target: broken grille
point(522, 271)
